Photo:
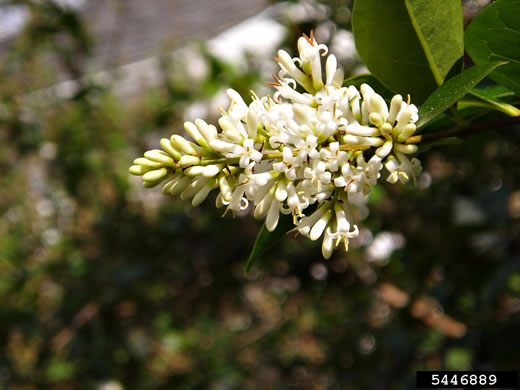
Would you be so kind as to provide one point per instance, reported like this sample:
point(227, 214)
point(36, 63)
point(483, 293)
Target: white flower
point(289, 68)
point(247, 153)
point(310, 55)
point(321, 146)
point(238, 200)
point(318, 172)
point(307, 149)
point(402, 169)
point(287, 164)
point(287, 89)
point(334, 157)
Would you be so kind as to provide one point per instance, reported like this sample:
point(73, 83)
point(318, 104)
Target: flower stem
point(276, 155)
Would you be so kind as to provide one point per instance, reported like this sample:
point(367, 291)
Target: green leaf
point(439, 27)
point(494, 35)
point(481, 98)
point(495, 92)
point(369, 79)
point(452, 91)
point(267, 239)
point(409, 45)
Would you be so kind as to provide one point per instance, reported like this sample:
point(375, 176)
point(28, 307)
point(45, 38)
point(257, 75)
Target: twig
point(461, 131)
point(86, 313)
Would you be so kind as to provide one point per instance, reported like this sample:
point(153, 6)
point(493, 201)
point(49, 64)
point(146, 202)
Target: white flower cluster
point(309, 147)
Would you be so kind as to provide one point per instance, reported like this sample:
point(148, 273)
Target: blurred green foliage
point(103, 284)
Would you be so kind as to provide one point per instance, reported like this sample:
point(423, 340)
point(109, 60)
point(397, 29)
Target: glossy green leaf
point(267, 239)
point(471, 112)
point(409, 45)
point(494, 35)
point(438, 25)
point(452, 91)
point(481, 98)
point(495, 92)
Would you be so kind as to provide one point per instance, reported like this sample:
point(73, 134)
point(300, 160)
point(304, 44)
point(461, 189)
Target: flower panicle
point(315, 142)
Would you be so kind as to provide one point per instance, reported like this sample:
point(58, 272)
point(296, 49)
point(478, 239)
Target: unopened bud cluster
point(309, 147)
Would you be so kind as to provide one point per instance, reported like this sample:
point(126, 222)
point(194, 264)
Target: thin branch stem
point(461, 131)
point(277, 155)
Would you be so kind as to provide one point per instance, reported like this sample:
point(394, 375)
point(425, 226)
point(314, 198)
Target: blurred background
point(107, 286)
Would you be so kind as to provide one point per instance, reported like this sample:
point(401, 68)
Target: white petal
point(327, 246)
point(281, 192)
point(263, 207)
point(319, 226)
point(330, 68)
point(211, 170)
point(395, 107)
point(292, 197)
point(272, 216)
point(340, 182)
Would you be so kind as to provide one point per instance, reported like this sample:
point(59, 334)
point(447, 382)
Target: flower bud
point(386, 129)
point(209, 132)
point(319, 226)
point(222, 146)
point(327, 245)
point(168, 147)
point(211, 170)
point(273, 215)
point(281, 191)
point(395, 107)
point(147, 163)
point(194, 187)
point(235, 97)
point(155, 175)
point(151, 184)
point(339, 77)
point(378, 105)
point(384, 150)
point(194, 171)
point(159, 156)
point(252, 124)
point(366, 91)
point(182, 144)
point(404, 119)
point(376, 119)
point(203, 193)
point(406, 149)
point(138, 170)
point(180, 185)
point(407, 132)
point(168, 186)
point(330, 68)
point(230, 131)
point(357, 129)
point(263, 206)
point(194, 133)
point(187, 161)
